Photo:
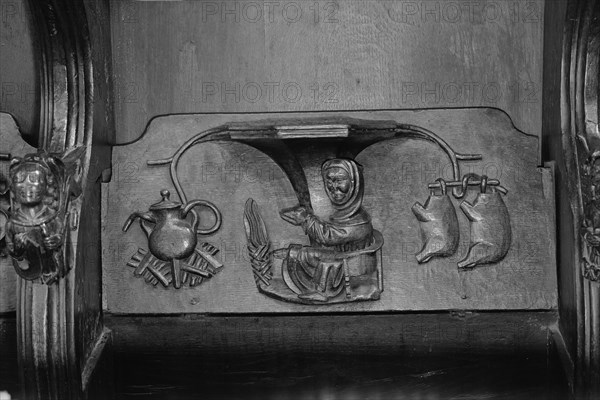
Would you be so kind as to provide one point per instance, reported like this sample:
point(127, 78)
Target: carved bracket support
point(291, 145)
point(44, 214)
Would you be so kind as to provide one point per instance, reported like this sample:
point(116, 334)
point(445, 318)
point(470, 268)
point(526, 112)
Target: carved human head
point(337, 185)
point(31, 180)
point(342, 179)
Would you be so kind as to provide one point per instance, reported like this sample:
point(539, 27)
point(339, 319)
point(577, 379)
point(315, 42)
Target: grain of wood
point(187, 57)
point(19, 80)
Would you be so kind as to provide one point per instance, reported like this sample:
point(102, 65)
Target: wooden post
point(61, 336)
point(576, 149)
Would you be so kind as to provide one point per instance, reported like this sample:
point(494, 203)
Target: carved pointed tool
point(195, 270)
point(216, 264)
point(176, 272)
point(154, 267)
point(186, 276)
point(201, 265)
point(140, 261)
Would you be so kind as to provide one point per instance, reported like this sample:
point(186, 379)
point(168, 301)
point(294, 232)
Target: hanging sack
point(438, 224)
point(491, 234)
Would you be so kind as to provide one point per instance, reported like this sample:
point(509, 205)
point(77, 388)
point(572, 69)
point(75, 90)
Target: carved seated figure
point(34, 232)
point(343, 252)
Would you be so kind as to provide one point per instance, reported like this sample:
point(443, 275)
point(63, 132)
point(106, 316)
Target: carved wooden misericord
point(328, 249)
point(343, 262)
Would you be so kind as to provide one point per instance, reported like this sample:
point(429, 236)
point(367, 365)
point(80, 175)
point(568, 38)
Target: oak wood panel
point(271, 357)
point(236, 56)
point(499, 355)
point(88, 301)
point(525, 333)
point(19, 78)
point(396, 175)
point(552, 149)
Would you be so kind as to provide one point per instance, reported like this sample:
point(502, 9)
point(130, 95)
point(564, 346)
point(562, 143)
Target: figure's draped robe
point(348, 229)
point(327, 275)
point(25, 235)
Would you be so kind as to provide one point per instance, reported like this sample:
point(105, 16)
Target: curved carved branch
point(282, 155)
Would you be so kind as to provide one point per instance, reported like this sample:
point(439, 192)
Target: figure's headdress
point(350, 212)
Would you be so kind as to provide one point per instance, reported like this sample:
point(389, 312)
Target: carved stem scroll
point(370, 135)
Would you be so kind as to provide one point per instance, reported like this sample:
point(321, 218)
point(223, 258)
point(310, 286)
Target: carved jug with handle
point(173, 236)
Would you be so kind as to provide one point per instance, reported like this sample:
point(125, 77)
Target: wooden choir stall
point(326, 200)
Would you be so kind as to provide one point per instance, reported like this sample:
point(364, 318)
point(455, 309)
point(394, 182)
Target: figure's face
point(29, 185)
point(337, 185)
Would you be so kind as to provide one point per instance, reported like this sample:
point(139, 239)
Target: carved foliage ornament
point(4, 200)
point(41, 215)
point(590, 232)
point(583, 114)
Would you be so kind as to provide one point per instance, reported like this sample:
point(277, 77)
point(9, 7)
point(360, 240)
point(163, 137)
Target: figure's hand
point(280, 253)
point(21, 240)
point(295, 215)
point(18, 244)
point(52, 242)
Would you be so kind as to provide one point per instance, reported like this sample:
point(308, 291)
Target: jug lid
point(165, 203)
